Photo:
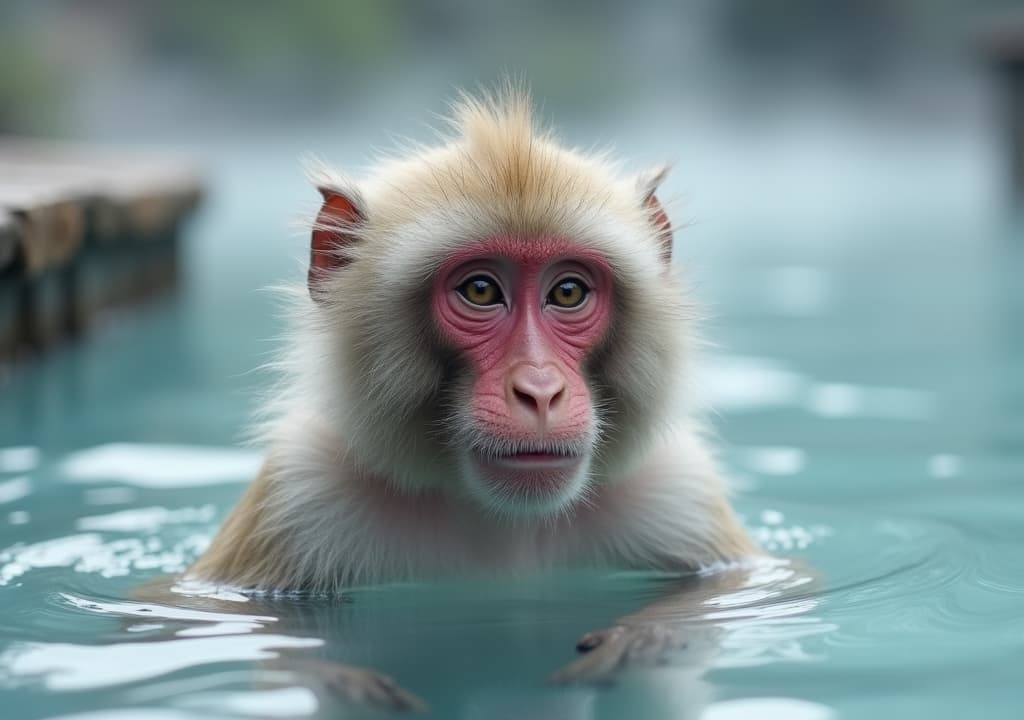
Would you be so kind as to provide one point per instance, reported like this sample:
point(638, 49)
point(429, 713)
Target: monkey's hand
point(608, 652)
point(362, 686)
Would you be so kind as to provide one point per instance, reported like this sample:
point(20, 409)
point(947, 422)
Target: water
point(868, 387)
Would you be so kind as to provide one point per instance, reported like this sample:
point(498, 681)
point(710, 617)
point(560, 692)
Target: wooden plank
point(51, 224)
point(8, 242)
point(126, 195)
point(83, 228)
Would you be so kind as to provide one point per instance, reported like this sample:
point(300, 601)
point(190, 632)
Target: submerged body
point(487, 377)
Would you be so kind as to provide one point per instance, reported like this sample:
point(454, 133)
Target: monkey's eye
point(481, 290)
point(569, 293)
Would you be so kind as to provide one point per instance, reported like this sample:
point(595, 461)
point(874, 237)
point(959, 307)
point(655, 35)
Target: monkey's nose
point(539, 392)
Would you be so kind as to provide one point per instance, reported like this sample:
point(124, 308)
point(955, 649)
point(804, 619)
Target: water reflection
point(18, 459)
point(14, 489)
point(157, 466)
point(63, 666)
point(749, 384)
point(287, 702)
point(469, 649)
point(135, 713)
point(438, 636)
point(835, 400)
point(768, 708)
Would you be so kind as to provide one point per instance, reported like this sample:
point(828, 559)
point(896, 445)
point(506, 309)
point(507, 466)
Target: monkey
point(487, 376)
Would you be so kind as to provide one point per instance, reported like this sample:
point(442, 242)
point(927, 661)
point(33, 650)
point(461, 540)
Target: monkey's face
point(525, 314)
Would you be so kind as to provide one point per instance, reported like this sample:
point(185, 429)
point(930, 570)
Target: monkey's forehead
point(538, 181)
point(449, 199)
point(525, 250)
point(499, 175)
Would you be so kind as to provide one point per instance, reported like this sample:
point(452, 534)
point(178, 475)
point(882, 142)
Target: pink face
point(526, 315)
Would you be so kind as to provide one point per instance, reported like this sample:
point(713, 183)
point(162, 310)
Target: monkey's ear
point(333, 233)
point(647, 184)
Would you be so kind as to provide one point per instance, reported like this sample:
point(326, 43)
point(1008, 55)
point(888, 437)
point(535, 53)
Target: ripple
point(161, 466)
point(734, 383)
point(287, 702)
point(15, 489)
point(742, 383)
point(154, 611)
point(840, 400)
point(860, 581)
point(908, 593)
point(858, 559)
point(19, 517)
point(134, 713)
point(774, 460)
point(19, 459)
point(67, 666)
point(945, 465)
point(768, 708)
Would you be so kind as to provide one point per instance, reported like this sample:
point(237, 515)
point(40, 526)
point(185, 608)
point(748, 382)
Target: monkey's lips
point(529, 475)
point(535, 460)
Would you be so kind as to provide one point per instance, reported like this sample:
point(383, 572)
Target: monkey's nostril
point(540, 402)
point(526, 399)
point(536, 391)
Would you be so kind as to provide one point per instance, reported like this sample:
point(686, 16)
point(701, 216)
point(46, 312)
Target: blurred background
point(843, 193)
point(842, 178)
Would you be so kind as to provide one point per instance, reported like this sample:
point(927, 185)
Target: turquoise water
point(867, 385)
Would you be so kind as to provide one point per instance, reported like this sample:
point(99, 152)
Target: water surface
point(868, 390)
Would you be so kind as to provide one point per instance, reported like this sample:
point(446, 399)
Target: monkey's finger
point(592, 639)
point(608, 652)
point(598, 665)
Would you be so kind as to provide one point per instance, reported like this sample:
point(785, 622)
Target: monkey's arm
point(677, 622)
point(677, 518)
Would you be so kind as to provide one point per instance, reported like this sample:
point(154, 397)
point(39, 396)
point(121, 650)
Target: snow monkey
point(486, 377)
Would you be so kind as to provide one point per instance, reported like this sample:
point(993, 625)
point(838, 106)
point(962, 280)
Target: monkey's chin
point(527, 484)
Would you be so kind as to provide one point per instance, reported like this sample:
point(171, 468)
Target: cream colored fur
point(363, 434)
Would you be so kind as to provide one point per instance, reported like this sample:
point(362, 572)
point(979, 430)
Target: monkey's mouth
point(536, 460)
point(529, 473)
point(535, 456)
